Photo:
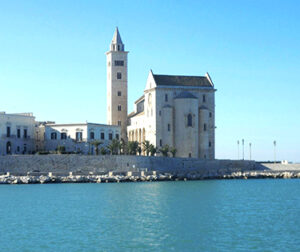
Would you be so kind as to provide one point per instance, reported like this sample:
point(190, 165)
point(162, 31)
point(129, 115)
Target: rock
point(44, 179)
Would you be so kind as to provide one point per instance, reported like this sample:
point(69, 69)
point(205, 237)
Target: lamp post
point(243, 141)
point(274, 151)
point(250, 144)
point(238, 145)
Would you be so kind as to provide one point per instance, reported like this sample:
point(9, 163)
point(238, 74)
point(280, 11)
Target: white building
point(174, 110)
point(178, 111)
point(79, 137)
point(17, 133)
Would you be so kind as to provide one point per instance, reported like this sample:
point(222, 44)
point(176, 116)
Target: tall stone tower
point(117, 84)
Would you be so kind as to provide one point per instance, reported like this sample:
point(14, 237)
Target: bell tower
point(116, 59)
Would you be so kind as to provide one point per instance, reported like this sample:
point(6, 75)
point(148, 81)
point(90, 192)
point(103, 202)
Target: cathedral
point(174, 110)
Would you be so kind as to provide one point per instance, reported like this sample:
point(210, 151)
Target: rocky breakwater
point(144, 177)
point(90, 178)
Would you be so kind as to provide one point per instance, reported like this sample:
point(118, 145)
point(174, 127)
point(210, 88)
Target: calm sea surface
point(216, 215)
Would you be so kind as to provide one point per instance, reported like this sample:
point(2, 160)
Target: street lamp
point(250, 144)
point(238, 144)
point(243, 141)
point(274, 151)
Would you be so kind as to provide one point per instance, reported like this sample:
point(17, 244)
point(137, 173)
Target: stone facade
point(178, 111)
point(17, 133)
point(117, 84)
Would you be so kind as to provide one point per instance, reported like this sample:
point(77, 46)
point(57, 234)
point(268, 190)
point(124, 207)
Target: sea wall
point(64, 164)
point(83, 164)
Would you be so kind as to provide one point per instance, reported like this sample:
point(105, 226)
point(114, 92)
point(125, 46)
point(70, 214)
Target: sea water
point(212, 215)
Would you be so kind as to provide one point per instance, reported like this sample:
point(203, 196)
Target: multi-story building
point(17, 133)
point(79, 137)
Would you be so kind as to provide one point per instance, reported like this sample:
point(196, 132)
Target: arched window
point(190, 120)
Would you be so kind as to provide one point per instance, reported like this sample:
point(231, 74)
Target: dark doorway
point(8, 148)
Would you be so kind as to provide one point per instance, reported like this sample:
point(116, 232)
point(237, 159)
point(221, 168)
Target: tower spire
point(116, 43)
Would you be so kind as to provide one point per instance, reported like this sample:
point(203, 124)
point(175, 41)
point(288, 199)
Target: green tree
point(165, 150)
point(114, 147)
point(153, 150)
point(96, 145)
point(103, 151)
point(146, 146)
point(132, 147)
point(173, 151)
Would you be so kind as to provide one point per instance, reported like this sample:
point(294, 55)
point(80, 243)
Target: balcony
point(12, 137)
point(4, 136)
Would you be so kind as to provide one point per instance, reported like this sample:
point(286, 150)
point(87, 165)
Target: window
point(8, 131)
point(209, 144)
point(119, 93)
point(160, 142)
point(92, 135)
point(203, 98)
point(190, 120)
point(25, 148)
point(18, 149)
point(117, 136)
point(18, 133)
point(78, 136)
point(102, 135)
point(25, 133)
point(119, 123)
point(63, 136)
point(53, 136)
point(119, 75)
point(169, 127)
point(210, 114)
point(166, 97)
point(160, 113)
point(204, 127)
point(118, 47)
point(119, 107)
point(190, 154)
point(119, 63)
point(110, 136)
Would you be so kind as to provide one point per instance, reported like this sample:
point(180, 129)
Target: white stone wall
point(186, 137)
point(19, 145)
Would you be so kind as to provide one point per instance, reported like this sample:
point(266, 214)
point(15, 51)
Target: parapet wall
point(98, 164)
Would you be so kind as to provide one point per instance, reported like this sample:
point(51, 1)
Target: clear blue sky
point(52, 62)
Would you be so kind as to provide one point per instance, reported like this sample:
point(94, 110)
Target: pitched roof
point(184, 95)
point(117, 37)
point(180, 80)
point(132, 114)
